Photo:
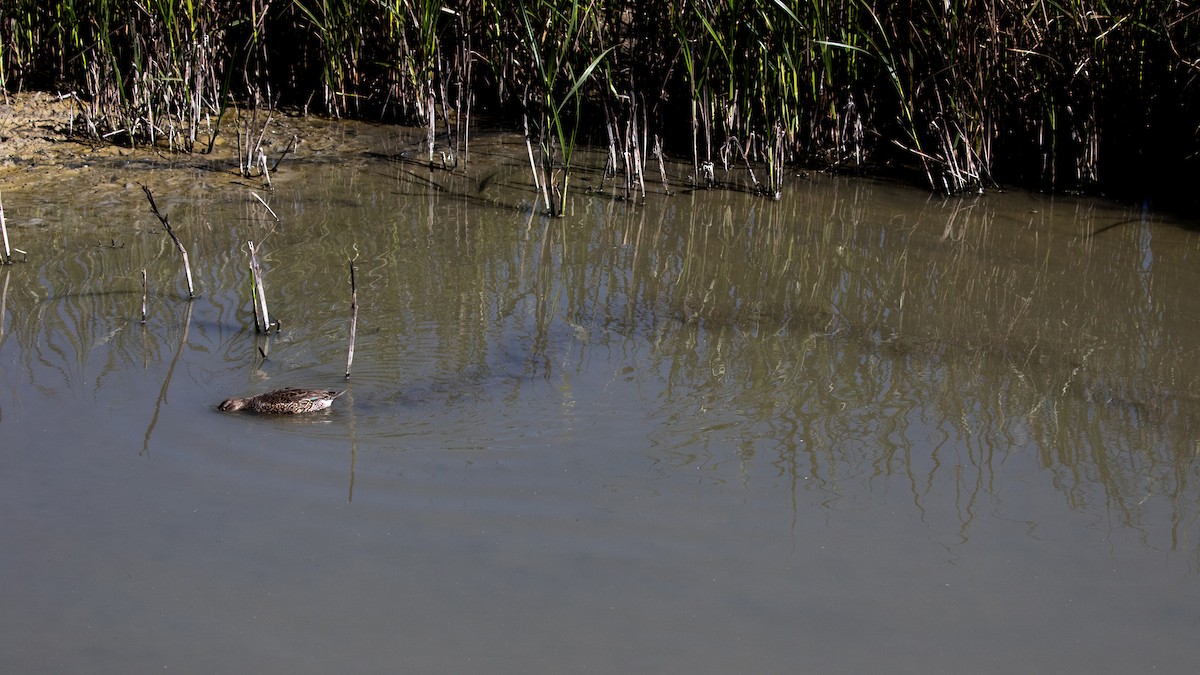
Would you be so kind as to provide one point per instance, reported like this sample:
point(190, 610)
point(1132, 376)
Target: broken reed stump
point(662, 169)
point(295, 143)
point(537, 183)
point(262, 160)
point(187, 267)
point(4, 231)
point(265, 206)
point(353, 319)
point(7, 259)
point(262, 319)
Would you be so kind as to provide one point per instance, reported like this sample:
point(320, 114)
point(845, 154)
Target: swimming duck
point(283, 401)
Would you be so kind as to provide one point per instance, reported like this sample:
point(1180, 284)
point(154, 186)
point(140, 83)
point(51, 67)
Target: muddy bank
point(41, 144)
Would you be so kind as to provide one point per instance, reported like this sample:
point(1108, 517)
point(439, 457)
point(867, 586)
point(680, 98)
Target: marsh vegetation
point(1068, 94)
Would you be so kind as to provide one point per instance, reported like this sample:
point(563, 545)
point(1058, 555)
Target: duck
point(283, 401)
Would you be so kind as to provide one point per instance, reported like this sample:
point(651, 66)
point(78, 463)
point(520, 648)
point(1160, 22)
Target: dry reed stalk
point(464, 116)
point(241, 157)
point(144, 286)
point(662, 169)
point(251, 155)
point(353, 319)
point(187, 267)
point(635, 148)
point(537, 185)
point(4, 232)
point(630, 169)
point(611, 165)
point(258, 322)
point(291, 147)
point(260, 296)
point(268, 208)
point(775, 162)
point(262, 161)
point(431, 138)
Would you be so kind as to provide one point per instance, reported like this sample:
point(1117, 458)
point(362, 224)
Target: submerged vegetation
point(1069, 94)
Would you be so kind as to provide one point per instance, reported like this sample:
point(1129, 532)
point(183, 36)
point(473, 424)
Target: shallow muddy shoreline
point(39, 146)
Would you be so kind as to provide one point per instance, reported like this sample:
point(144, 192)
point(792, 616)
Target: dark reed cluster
point(1066, 94)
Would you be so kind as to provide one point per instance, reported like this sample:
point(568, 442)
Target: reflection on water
point(850, 355)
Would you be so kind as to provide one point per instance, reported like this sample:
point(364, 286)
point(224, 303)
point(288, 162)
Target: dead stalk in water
point(353, 319)
point(291, 147)
point(187, 267)
point(4, 231)
point(262, 319)
point(268, 208)
point(254, 302)
point(662, 169)
point(431, 139)
point(537, 186)
point(262, 161)
point(634, 146)
point(7, 259)
point(252, 156)
point(144, 286)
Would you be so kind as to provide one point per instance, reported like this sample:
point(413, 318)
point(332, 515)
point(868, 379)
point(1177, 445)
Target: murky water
point(859, 430)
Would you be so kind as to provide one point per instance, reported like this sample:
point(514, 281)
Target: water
point(861, 429)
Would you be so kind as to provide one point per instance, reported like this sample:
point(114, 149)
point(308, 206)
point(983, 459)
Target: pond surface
point(857, 430)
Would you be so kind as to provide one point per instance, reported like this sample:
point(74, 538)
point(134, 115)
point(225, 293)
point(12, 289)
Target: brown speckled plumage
point(283, 401)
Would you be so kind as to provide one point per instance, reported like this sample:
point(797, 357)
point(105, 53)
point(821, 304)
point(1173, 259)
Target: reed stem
point(187, 267)
point(4, 232)
point(260, 295)
point(353, 319)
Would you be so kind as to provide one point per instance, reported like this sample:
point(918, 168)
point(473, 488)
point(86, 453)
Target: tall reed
point(560, 48)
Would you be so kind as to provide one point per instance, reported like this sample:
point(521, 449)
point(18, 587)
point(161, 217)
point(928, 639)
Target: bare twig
point(262, 319)
point(292, 146)
point(432, 136)
point(262, 160)
point(187, 267)
point(268, 208)
point(537, 186)
point(662, 170)
point(353, 319)
point(4, 231)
